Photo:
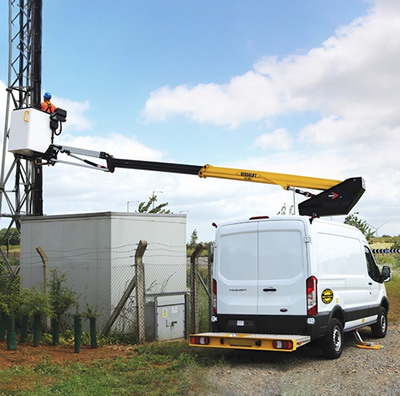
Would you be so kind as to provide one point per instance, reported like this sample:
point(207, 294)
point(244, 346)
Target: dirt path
point(29, 355)
point(305, 372)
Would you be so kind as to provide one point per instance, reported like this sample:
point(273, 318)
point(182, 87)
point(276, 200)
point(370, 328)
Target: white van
point(280, 282)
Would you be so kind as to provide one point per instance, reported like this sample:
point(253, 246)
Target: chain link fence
point(150, 291)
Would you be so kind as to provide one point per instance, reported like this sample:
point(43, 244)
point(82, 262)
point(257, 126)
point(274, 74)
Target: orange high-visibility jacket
point(47, 107)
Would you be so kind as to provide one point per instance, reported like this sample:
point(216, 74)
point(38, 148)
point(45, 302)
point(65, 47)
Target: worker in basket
point(46, 105)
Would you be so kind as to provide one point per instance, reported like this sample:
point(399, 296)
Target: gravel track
point(306, 372)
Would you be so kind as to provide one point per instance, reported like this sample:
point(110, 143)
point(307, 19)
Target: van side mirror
point(386, 273)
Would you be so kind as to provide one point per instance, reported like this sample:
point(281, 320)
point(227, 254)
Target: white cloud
point(276, 140)
point(79, 189)
point(354, 74)
point(115, 144)
point(230, 104)
point(76, 118)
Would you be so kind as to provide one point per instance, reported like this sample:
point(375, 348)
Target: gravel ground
point(306, 372)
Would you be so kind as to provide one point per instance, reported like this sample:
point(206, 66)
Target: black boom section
point(337, 200)
point(113, 163)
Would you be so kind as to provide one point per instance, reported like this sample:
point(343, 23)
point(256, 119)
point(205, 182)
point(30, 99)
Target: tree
point(10, 295)
point(396, 244)
point(193, 239)
point(14, 236)
point(362, 225)
point(150, 208)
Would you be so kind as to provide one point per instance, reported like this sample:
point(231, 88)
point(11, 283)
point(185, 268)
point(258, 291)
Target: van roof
point(304, 219)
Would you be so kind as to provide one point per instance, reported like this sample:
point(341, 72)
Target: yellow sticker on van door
point(327, 296)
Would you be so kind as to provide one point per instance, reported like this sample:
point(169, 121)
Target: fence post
point(210, 280)
point(140, 290)
point(45, 262)
point(132, 284)
point(194, 269)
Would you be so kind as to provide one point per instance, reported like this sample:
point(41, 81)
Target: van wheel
point(379, 329)
point(332, 343)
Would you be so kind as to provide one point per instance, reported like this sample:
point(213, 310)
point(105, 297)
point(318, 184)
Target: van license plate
point(240, 323)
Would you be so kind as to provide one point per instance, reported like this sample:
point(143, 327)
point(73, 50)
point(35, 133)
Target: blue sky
point(287, 86)
point(115, 55)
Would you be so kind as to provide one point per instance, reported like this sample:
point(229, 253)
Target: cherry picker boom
point(337, 198)
point(31, 135)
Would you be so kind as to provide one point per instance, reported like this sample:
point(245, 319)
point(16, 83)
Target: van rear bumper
point(262, 342)
point(315, 327)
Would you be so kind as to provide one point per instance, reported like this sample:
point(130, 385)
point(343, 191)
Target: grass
point(393, 291)
point(381, 245)
point(392, 287)
point(170, 368)
point(154, 369)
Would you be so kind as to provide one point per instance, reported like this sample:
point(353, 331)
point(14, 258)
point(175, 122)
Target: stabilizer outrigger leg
point(364, 344)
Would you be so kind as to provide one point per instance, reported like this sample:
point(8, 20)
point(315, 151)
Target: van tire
point(379, 329)
point(332, 343)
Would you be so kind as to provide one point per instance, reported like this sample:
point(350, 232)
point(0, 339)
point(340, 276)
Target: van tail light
point(312, 306)
point(284, 344)
point(197, 340)
point(214, 297)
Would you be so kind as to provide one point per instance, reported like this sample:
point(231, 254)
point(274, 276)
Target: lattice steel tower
point(21, 176)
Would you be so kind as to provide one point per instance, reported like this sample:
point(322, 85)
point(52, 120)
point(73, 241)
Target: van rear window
point(267, 255)
point(238, 256)
point(281, 254)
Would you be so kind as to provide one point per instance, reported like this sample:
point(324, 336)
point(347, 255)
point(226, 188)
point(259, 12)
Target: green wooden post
point(11, 333)
point(93, 335)
point(37, 319)
point(55, 331)
point(3, 325)
point(78, 333)
point(24, 329)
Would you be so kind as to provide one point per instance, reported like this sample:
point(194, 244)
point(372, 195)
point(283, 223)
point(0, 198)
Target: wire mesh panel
point(200, 283)
point(165, 290)
point(97, 252)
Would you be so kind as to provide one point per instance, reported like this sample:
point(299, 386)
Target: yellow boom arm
point(337, 197)
point(281, 179)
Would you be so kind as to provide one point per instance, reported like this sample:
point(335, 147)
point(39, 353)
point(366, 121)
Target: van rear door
point(282, 268)
point(237, 269)
point(262, 268)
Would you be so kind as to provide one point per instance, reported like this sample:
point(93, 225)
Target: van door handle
point(370, 283)
point(270, 289)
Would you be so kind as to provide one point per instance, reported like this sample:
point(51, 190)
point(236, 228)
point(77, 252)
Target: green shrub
point(62, 298)
point(10, 295)
point(34, 302)
point(392, 260)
